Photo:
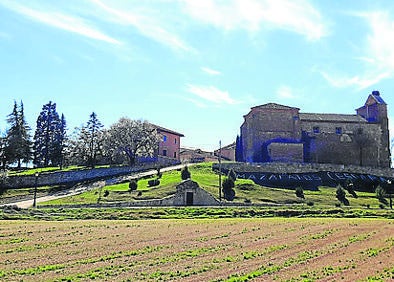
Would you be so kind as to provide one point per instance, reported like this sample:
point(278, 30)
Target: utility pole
point(220, 170)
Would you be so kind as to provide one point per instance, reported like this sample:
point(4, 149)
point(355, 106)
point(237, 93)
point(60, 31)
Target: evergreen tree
point(49, 137)
point(3, 159)
point(17, 144)
point(94, 132)
point(238, 149)
point(59, 142)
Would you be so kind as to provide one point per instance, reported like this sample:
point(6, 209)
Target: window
point(165, 153)
point(175, 141)
point(338, 130)
point(316, 129)
point(164, 138)
point(174, 155)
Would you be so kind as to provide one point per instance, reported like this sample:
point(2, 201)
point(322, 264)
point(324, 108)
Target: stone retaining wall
point(72, 177)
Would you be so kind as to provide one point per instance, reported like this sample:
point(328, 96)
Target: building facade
point(279, 133)
point(170, 143)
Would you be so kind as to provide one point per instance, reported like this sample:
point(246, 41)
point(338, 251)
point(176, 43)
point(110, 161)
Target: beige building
point(273, 132)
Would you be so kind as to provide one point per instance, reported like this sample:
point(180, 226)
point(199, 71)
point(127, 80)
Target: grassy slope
point(246, 190)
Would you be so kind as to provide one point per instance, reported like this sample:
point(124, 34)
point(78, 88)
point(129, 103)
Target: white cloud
point(378, 57)
point(62, 21)
point(285, 92)
point(360, 82)
point(297, 16)
point(211, 94)
point(210, 71)
point(148, 26)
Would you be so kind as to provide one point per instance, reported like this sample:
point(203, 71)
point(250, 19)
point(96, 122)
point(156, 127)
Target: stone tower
point(375, 111)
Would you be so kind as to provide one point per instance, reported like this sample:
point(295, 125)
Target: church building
point(279, 133)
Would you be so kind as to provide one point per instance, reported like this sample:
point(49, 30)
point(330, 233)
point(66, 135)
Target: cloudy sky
point(193, 66)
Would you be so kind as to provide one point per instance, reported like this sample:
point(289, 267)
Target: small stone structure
point(188, 193)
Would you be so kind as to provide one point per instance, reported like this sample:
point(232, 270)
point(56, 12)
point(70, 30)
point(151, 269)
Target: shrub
point(185, 173)
point(153, 182)
point(380, 195)
point(228, 183)
point(106, 193)
point(133, 185)
point(299, 192)
point(231, 174)
point(310, 203)
point(228, 191)
point(350, 189)
point(341, 195)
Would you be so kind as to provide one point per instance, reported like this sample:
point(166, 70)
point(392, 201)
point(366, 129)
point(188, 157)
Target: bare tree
point(128, 139)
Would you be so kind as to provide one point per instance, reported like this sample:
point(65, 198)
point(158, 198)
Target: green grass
point(32, 171)
point(247, 192)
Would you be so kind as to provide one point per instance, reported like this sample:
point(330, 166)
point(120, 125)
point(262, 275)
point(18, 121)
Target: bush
point(153, 182)
point(133, 185)
point(228, 184)
point(350, 188)
point(299, 193)
point(185, 173)
point(231, 174)
point(310, 203)
point(106, 193)
point(341, 195)
point(228, 191)
point(380, 195)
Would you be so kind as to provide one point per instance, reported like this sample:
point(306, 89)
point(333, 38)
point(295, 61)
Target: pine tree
point(17, 144)
point(49, 137)
point(94, 128)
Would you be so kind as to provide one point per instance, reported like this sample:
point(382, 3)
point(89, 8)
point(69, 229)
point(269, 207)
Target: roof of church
point(376, 95)
point(332, 117)
point(274, 106)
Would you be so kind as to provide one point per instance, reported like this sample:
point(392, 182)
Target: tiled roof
point(162, 129)
point(274, 106)
point(376, 96)
point(332, 118)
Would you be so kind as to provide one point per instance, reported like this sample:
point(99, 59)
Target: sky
point(196, 67)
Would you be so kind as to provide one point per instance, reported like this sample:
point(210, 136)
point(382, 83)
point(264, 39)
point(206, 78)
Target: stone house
point(279, 133)
point(170, 143)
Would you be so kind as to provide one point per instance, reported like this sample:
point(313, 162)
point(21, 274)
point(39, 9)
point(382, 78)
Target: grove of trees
point(89, 145)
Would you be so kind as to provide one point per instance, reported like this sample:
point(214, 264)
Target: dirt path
point(80, 188)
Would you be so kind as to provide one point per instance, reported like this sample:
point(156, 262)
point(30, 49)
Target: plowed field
point(277, 249)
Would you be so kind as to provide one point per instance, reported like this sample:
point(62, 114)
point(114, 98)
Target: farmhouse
point(170, 143)
point(279, 133)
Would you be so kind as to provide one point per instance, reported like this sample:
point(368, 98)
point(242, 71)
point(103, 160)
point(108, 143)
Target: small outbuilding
point(189, 193)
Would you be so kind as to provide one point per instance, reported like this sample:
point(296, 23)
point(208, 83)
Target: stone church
point(278, 133)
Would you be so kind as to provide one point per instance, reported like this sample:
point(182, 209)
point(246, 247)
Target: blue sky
point(193, 66)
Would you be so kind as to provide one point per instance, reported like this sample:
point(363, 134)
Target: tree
point(299, 193)
point(128, 139)
point(341, 195)
point(231, 174)
point(59, 142)
point(238, 149)
point(94, 131)
point(185, 173)
point(86, 144)
point(3, 160)
point(228, 191)
point(381, 195)
point(18, 143)
point(49, 137)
